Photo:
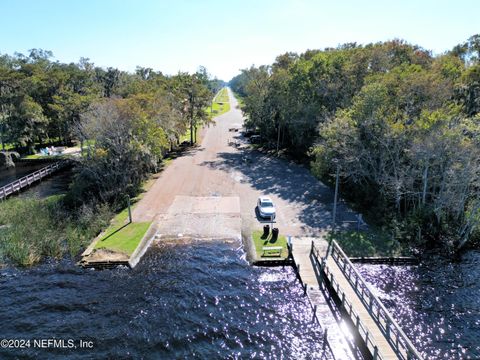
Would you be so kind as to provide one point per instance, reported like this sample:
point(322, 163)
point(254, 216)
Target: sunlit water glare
point(436, 303)
point(199, 300)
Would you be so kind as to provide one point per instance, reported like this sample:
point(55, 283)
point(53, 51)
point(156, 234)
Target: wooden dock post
point(325, 339)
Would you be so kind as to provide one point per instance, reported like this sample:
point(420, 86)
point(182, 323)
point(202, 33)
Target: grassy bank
point(32, 230)
point(123, 236)
point(368, 243)
point(220, 104)
point(260, 242)
point(49, 157)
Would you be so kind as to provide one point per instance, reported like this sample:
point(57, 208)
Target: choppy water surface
point(198, 300)
point(436, 303)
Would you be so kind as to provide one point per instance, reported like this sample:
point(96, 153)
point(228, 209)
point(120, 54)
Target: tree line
point(124, 122)
point(401, 125)
point(41, 100)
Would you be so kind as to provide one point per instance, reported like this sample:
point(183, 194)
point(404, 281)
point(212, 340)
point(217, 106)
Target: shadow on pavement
point(288, 181)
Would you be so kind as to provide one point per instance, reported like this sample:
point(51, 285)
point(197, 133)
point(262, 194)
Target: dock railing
point(391, 330)
point(348, 307)
point(25, 181)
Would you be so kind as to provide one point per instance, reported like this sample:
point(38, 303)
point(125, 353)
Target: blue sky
point(224, 36)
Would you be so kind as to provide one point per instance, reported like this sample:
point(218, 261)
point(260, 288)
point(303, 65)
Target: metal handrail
point(27, 180)
point(347, 305)
point(393, 333)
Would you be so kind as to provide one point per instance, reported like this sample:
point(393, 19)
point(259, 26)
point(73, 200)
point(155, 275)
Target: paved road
point(210, 192)
point(184, 198)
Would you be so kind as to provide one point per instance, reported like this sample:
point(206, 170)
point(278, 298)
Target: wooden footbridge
point(379, 334)
point(18, 185)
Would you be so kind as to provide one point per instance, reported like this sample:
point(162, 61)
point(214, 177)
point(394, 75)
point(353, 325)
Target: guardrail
point(391, 330)
point(25, 181)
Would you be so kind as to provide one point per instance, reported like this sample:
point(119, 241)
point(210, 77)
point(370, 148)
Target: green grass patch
point(8, 147)
point(186, 136)
point(220, 104)
point(261, 242)
point(50, 157)
point(218, 109)
point(368, 243)
point(121, 235)
point(222, 96)
point(88, 143)
point(123, 239)
point(34, 156)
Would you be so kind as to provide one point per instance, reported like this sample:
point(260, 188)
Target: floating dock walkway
point(381, 336)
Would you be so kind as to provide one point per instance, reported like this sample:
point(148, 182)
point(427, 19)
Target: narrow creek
point(55, 184)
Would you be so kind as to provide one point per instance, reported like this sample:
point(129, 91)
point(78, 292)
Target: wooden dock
point(334, 343)
point(18, 185)
point(381, 336)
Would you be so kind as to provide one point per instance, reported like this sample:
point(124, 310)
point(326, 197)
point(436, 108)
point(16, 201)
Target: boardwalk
point(18, 185)
point(380, 334)
point(376, 336)
point(302, 249)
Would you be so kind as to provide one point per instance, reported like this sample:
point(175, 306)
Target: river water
point(200, 300)
point(203, 300)
point(55, 184)
point(437, 303)
point(20, 170)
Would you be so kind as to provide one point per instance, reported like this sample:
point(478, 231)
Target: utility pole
point(129, 210)
point(191, 116)
point(336, 194)
point(278, 138)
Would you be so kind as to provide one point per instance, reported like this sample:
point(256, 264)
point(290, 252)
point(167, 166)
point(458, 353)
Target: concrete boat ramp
point(210, 193)
point(196, 217)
